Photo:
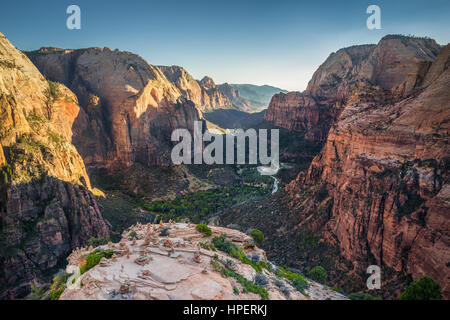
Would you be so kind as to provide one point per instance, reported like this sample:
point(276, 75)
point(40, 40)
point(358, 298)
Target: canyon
point(377, 193)
point(367, 181)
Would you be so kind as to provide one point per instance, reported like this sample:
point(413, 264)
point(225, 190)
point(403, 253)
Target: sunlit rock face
point(386, 65)
point(379, 190)
point(385, 164)
point(129, 107)
point(46, 208)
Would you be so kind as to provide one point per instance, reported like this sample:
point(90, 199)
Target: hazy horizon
point(279, 44)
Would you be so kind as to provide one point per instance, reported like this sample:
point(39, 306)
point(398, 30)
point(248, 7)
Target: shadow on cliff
point(41, 222)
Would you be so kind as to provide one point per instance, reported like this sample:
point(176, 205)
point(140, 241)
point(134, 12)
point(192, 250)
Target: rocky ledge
point(175, 261)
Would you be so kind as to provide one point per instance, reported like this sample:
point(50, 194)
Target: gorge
point(85, 138)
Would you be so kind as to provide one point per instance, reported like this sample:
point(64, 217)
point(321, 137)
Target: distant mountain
point(257, 95)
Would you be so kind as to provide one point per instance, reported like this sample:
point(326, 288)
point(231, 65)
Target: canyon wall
point(386, 64)
point(378, 193)
point(129, 107)
point(46, 207)
point(386, 166)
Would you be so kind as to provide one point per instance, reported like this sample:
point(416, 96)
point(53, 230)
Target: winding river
point(270, 171)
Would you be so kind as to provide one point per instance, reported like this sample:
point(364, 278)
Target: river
point(270, 171)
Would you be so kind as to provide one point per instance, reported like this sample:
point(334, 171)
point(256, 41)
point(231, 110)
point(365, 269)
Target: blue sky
point(279, 42)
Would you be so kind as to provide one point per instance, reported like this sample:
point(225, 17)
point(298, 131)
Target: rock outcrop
point(208, 96)
point(385, 165)
point(46, 208)
point(175, 261)
point(379, 190)
point(129, 107)
point(386, 65)
point(204, 93)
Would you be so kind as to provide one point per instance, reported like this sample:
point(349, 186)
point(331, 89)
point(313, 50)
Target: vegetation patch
point(247, 286)
point(257, 235)
point(58, 286)
point(95, 242)
point(362, 296)
point(237, 252)
point(319, 274)
point(426, 288)
point(204, 229)
point(297, 280)
point(94, 258)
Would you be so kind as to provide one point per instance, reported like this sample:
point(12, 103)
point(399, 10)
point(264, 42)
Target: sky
point(280, 43)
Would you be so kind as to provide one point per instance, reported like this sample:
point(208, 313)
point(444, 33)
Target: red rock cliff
point(129, 108)
point(46, 208)
point(385, 165)
point(386, 64)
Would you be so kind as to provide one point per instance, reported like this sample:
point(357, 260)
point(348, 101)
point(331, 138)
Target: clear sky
point(280, 42)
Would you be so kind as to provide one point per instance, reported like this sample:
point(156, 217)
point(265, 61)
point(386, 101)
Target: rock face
point(129, 107)
point(168, 261)
point(386, 64)
point(209, 97)
point(379, 190)
point(46, 208)
point(204, 93)
point(386, 167)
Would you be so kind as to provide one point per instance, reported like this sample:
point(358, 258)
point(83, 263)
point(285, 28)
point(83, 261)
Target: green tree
point(423, 289)
point(318, 273)
point(204, 229)
point(257, 235)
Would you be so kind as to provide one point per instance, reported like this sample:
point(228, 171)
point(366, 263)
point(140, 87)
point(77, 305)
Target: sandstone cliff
point(386, 64)
point(385, 165)
point(129, 107)
point(46, 208)
point(175, 261)
point(378, 193)
point(204, 93)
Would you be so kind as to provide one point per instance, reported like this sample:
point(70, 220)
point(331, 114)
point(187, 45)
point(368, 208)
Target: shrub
point(38, 292)
point(318, 273)
point(94, 258)
point(204, 229)
point(257, 235)
point(164, 232)
point(300, 284)
point(285, 290)
point(261, 280)
point(133, 235)
point(297, 280)
point(95, 242)
point(58, 286)
point(254, 257)
point(53, 89)
point(426, 288)
point(362, 296)
point(236, 290)
point(224, 245)
point(278, 283)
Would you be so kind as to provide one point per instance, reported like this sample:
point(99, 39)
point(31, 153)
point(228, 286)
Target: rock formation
point(129, 107)
point(208, 96)
point(386, 64)
point(204, 93)
point(178, 265)
point(46, 208)
point(379, 190)
point(386, 164)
